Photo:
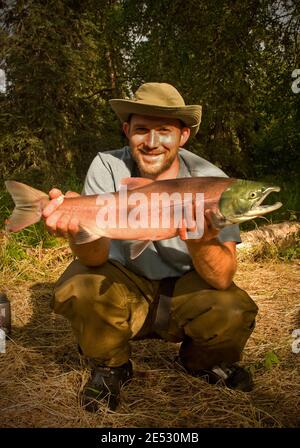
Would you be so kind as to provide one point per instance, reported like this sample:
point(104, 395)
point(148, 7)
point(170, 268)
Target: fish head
point(243, 199)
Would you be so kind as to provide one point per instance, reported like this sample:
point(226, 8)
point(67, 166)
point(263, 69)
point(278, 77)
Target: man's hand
point(57, 221)
point(60, 223)
point(209, 232)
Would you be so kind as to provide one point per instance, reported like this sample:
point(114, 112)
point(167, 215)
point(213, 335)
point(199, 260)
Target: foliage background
point(64, 59)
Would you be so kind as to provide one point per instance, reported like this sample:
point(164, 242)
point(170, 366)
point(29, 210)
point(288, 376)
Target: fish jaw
point(255, 209)
point(258, 210)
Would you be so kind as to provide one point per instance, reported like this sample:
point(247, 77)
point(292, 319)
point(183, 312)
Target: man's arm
point(214, 261)
point(94, 253)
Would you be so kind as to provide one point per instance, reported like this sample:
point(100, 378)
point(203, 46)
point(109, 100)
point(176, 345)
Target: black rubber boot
point(105, 384)
point(232, 376)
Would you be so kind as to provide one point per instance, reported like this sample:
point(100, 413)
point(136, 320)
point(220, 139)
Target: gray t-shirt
point(165, 258)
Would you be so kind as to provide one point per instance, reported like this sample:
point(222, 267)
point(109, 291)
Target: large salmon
point(146, 210)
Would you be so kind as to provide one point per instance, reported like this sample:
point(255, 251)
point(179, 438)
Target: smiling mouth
point(152, 158)
point(151, 154)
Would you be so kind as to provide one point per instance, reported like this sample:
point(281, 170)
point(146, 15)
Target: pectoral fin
point(85, 236)
point(138, 247)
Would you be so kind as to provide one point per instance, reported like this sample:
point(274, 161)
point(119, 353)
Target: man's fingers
point(73, 226)
point(207, 215)
point(51, 221)
point(71, 194)
point(54, 193)
point(209, 229)
point(209, 221)
point(182, 231)
point(57, 199)
point(52, 206)
point(62, 225)
point(58, 222)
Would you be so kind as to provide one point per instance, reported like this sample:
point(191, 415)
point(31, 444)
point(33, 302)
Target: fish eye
point(252, 195)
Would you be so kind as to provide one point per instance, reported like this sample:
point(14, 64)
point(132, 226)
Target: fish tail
point(29, 205)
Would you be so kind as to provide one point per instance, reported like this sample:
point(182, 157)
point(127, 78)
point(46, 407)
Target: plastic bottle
point(5, 314)
point(2, 341)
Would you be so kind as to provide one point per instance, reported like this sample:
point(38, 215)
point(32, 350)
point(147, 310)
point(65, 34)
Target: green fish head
point(242, 201)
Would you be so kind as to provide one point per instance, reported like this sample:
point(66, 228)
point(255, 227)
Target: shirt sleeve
point(99, 178)
point(230, 233)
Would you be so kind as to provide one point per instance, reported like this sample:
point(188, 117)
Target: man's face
point(154, 142)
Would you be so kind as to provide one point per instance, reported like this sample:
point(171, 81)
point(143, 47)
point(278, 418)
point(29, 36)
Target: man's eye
point(141, 130)
point(164, 130)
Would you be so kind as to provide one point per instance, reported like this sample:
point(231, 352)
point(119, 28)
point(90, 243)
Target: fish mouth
point(257, 209)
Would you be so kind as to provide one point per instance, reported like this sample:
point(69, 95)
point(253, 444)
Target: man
point(180, 291)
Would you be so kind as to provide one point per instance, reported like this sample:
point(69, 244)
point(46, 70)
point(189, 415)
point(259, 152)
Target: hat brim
point(190, 115)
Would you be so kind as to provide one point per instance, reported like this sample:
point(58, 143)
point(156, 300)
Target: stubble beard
point(152, 171)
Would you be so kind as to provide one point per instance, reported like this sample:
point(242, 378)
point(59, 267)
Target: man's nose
point(153, 139)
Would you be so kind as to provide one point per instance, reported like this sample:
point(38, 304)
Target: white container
point(2, 341)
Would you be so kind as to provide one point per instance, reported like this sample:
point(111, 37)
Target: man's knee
point(83, 289)
point(214, 313)
point(243, 307)
point(238, 311)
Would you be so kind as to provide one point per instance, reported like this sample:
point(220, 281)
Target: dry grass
point(41, 374)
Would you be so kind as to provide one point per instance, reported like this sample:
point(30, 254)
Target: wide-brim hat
point(159, 100)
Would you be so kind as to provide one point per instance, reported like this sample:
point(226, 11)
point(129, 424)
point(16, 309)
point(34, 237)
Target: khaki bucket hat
point(158, 100)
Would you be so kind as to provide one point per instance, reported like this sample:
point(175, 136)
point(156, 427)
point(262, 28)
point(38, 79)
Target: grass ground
point(41, 374)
